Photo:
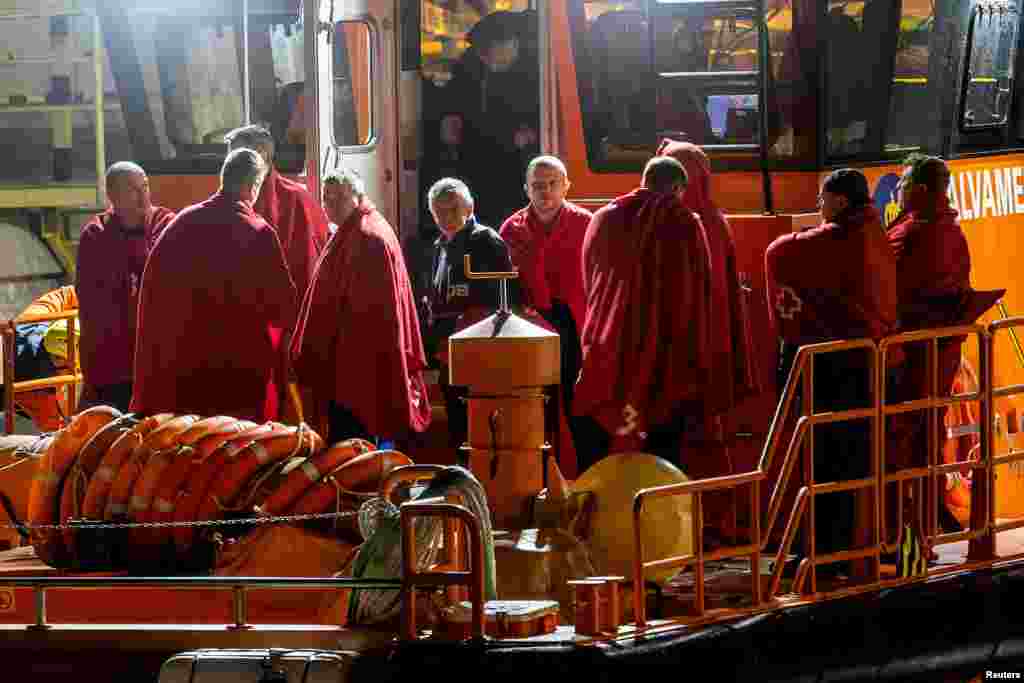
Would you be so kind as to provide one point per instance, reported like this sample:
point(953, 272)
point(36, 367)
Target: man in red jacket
point(357, 342)
point(215, 287)
point(111, 255)
point(288, 206)
point(646, 346)
point(545, 241)
point(835, 281)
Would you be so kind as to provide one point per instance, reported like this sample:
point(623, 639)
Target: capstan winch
point(505, 361)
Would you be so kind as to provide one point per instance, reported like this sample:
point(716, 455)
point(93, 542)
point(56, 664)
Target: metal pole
point(40, 625)
point(101, 132)
point(246, 95)
point(239, 609)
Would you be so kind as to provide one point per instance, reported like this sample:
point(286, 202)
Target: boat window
point(353, 77)
point(180, 77)
point(702, 86)
point(988, 72)
point(882, 103)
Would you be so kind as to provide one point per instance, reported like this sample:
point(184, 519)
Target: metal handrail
point(931, 403)
point(980, 535)
point(412, 578)
point(237, 584)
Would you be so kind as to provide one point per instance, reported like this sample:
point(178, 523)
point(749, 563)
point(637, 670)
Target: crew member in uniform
point(111, 255)
point(835, 281)
point(646, 350)
point(546, 243)
point(454, 297)
point(215, 287)
point(357, 341)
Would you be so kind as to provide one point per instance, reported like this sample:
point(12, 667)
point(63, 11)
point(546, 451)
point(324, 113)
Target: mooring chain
point(83, 524)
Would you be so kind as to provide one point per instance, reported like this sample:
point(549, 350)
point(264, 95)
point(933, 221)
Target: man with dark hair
point(646, 354)
point(835, 281)
point(111, 255)
point(357, 342)
point(934, 289)
point(288, 206)
point(215, 287)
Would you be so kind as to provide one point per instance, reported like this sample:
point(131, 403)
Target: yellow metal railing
point(68, 381)
point(870, 538)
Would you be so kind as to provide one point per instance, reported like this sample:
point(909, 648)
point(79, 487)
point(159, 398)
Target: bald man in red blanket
point(111, 255)
point(215, 286)
point(646, 347)
point(357, 342)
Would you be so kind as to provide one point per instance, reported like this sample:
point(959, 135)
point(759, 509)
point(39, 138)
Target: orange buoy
point(44, 495)
point(310, 472)
point(95, 503)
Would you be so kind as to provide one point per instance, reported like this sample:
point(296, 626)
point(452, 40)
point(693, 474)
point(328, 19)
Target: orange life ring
point(361, 475)
point(186, 508)
point(98, 491)
point(962, 439)
point(175, 480)
point(157, 441)
point(310, 472)
point(45, 493)
point(258, 455)
point(89, 458)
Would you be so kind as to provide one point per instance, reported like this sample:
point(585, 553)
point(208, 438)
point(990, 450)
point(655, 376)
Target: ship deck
point(960, 621)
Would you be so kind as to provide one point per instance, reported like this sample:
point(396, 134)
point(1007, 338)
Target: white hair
point(450, 186)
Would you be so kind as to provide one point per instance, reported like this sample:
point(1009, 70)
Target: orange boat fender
point(45, 492)
point(159, 440)
point(360, 476)
point(310, 472)
point(257, 456)
point(98, 491)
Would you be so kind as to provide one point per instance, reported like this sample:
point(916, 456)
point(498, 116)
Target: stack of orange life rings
point(108, 467)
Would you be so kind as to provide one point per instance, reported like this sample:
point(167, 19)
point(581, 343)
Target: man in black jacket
point(452, 294)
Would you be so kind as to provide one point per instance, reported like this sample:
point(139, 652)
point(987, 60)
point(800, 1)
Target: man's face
point(546, 187)
point(450, 213)
point(339, 202)
point(129, 195)
point(831, 204)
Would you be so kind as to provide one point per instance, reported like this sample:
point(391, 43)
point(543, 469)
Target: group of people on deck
point(216, 309)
